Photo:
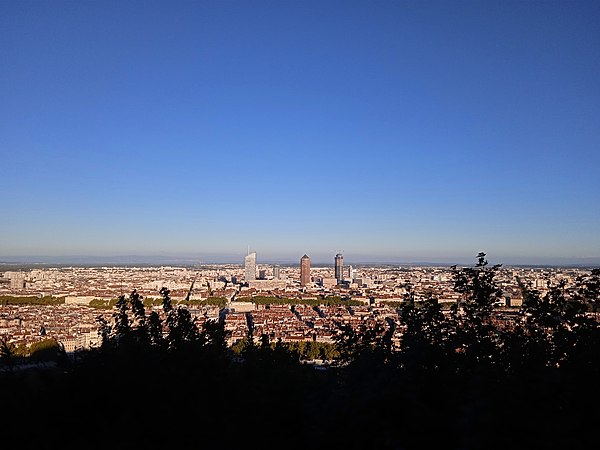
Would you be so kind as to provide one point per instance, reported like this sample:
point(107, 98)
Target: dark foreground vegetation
point(458, 381)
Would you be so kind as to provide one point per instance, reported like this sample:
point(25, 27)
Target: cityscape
point(364, 293)
point(309, 224)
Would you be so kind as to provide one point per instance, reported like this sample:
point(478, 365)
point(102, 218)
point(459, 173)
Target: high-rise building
point(250, 267)
point(304, 271)
point(339, 264)
point(276, 274)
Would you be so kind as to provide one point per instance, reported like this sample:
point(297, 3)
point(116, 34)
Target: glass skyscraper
point(250, 267)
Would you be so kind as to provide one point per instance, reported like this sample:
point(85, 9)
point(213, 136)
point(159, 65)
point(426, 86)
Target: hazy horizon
point(318, 260)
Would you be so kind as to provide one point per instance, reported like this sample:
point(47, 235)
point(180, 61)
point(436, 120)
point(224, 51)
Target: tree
point(558, 322)
point(366, 342)
point(8, 352)
point(105, 331)
point(213, 335)
point(47, 350)
point(181, 329)
point(139, 328)
point(121, 327)
point(424, 335)
point(155, 330)
point(474, 335)
point(587, 290)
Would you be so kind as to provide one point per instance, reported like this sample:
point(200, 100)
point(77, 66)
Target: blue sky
point(390, 130)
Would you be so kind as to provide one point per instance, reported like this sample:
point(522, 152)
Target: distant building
point(262, 274)
point(17, 280)
point(276, 273)
point(327, 282)
point(250, 267)
point(304, 271)
point(351, 273)
point(339, 265)
point(266, 285)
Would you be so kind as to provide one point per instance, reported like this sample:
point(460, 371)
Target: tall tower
point(250, 267)
point(304, 270)
point(339, 264)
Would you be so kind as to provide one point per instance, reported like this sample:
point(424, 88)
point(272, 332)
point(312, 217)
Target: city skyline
point(322, 260)
point(396, 131)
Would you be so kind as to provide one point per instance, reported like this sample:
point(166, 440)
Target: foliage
point(425, 333)
point(8, 352)
point(210, 301)
point(171, 329)
point(473, 335)
point(31, 300)
point(587, 290)
point(103, 304)
point(46, 350)
point(303, 350)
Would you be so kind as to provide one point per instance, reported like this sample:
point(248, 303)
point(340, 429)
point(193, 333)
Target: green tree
point(238, 348)
point(47, 350)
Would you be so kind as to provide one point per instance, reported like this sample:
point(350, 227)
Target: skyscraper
point(304, 270)
point(339, 264)
point(250, 267)
point(276, 270)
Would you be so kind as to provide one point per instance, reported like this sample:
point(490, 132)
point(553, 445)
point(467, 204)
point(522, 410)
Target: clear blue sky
point(391, 130)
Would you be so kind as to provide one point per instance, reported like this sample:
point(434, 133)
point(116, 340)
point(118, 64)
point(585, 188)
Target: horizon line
point(229, 258)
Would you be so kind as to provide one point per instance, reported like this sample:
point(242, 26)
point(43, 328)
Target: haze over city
point(411, 131)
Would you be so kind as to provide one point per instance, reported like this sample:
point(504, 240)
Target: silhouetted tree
point(105, 330)
point(367, 343)
point(121, 322)
point(181, 329)
point(560, 321)
point(474, 335)
point(587, 290)
point(155, 330)
point(8, 352)
point(424, 333)
point(139, 328)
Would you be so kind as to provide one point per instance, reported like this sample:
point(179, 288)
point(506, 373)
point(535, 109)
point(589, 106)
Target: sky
point(385, 130)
